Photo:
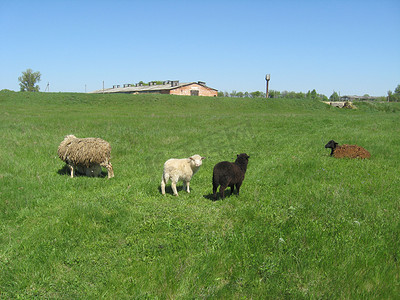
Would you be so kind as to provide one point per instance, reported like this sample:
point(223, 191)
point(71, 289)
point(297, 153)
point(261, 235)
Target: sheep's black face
point(331, 144)
point(243, 158)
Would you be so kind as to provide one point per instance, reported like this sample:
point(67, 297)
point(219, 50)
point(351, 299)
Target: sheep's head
point(196, 160)
point(69, 136)
point(331, 144)
point(242, 158)
point(62, 149)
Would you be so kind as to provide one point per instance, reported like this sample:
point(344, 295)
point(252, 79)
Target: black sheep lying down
point(229, 174)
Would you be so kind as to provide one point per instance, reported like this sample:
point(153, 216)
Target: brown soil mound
point(351, 151)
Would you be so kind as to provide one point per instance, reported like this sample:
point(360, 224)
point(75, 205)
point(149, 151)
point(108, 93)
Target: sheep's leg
point(164, 181)
point(110, 170)
point(238, 188)
point(215, 187)
point(109, 167)
point(163, 187)
point(187, 184)
point(72, 171)
point(232, 186)
point(222, 191)
point(173, 185)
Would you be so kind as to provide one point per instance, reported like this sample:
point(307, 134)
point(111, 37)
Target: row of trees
point(29, 79)
point(274, 94)
point(392, 96)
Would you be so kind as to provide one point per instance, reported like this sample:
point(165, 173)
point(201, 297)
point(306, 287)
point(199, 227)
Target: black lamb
point(229, 174)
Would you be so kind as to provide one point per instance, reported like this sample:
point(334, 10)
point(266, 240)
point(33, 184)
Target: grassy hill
point(306, 225)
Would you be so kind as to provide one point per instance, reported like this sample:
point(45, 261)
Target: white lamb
point(180, 170)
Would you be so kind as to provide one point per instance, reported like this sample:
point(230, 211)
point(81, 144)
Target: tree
point(313, 94)
point(28, 81)
point(397, 90)
point(390, 93)
point(394, 96)
point(256, 94)
point(323, 97)
point(334, 97)
point(274, 94)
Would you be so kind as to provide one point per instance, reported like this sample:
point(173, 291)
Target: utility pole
point(267, 78)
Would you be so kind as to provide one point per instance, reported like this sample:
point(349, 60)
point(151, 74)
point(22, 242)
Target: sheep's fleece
point(180, 169)
point(85, 152)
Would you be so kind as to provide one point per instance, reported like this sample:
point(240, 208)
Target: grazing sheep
point(180, 169)
point(349, 151)
point(87, 155)
point(229, 174)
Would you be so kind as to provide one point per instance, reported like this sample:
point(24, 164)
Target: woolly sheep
point(86, 154)
point(349, 151)
point(180, 170)
point(229, 174)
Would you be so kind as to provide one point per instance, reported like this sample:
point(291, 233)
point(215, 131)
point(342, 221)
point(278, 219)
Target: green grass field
point(305, 226)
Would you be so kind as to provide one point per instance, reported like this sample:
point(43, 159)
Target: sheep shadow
point(211, 196)
point(169, 191)
point(66, 171)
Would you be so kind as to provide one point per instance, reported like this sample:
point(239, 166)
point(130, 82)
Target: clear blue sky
point(351, 47)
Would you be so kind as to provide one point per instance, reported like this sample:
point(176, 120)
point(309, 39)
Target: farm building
point(167, 87)
point(357, 98)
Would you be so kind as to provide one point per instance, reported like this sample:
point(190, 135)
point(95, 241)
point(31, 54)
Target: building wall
point(187, 90)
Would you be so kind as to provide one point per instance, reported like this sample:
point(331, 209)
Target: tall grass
point(305, 225)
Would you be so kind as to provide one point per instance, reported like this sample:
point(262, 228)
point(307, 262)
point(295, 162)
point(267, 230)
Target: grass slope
point(305, 225)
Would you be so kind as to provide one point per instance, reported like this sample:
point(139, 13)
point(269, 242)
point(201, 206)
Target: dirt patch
point(351, 151)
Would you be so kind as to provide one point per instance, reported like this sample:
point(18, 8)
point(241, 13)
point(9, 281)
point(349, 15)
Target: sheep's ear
point(203, 158)
point(191, 158)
